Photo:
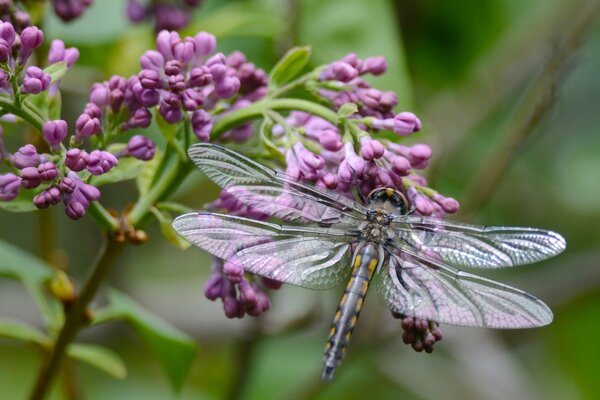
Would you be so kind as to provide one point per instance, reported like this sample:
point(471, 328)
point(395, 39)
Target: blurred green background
point(509, 93)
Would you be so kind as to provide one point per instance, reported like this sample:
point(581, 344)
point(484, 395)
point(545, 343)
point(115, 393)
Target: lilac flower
point(403, 124)
point(5, 51)
point(54, 132)
point(87, 125)
point(26, 156)
point(170, 15)
point(77, 202)
point(47, 171)
point(48, 197)
point(58, 53)
point(9, 186)
point(35, 81)
point(100, 162)
point(30, 178)
point(76, 159)
point(419, 333)
point(68, 10)
point(141, 147)
point(202, 125)
point(31, 38)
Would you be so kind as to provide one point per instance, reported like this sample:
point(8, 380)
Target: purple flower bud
point(90, 192)
point(152, 60)
point(172, 67)
point(58, 53)
point(147, 97)
point(183, 51)
point(448, 204)
point(237, 59)
point(308, 161)
point(66, 185)
point(202, 125)
point(76, 159)
point(7, 32)
point(35, 81)
point(374, 65)
point(371, 149)
point(26, 156)
point(87, 126)
point(149, 79)
point(164, 42)
point(227, 87)
point(192, 99)
point(5, 50)
point(75, 210)
point(100, 162)
point(420, 202)
point(48, 197)
point(3, 79)
point(99, 94)
point(30, 177)
point(271, 283)
point(141, 118)
point(170, 18)
point(214, 287)
point(339, 71)
point(47, 171)
point(141, 147)
point(54, 132)
point(176, 82)
point(31, 38)
point(406, 123)
point(21, 19)
point(400, 165)
point(9, 186)
point(233, 272)
point(205, 43)
point(170, 108)
point(136, 12)
point(68, 10)
point(200, 77)
point(330, 140)
point(93, 110)
point(330, 180)
point(116, 99)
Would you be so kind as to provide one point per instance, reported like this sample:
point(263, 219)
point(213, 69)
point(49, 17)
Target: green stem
point(103, 217)
point(257, 109)
point(75, 317)
point(23, 112)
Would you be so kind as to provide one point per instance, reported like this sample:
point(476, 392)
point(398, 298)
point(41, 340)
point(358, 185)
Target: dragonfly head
point(388, 199)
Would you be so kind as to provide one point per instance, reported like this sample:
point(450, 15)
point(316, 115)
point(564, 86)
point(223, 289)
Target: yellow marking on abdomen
point(357, 261)
point(372, 264)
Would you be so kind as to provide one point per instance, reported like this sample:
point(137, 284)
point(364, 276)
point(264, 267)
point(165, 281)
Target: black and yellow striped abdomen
point(367, 258)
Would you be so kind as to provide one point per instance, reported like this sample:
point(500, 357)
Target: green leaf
point(289, 66)
point(144, 178)
point(165, 221)
point(99, 357)
point(20, 331)
point(175, 350)
point(170, 131)
point(22, 203)
point(33, 273)
point(127, 169)
point(56, 70)
point(347, 110)
point(174, 207)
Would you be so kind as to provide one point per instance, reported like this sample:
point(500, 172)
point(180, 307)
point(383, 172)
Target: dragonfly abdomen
point(367, 257)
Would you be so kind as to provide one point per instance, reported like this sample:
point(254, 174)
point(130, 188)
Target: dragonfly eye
point(390, 199)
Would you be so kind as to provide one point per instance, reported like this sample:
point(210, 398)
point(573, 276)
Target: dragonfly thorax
point(375, 230)
point(388, 199)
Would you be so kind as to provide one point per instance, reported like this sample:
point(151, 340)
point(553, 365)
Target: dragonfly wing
point(471, 246)
point(312, 257)
point(271, 192)
point(419, 286)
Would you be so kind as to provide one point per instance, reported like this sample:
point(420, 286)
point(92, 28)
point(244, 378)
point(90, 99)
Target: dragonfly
point(326, 238)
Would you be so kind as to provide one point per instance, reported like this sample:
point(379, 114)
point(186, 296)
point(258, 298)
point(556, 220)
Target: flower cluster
point(169, 15)
point(239, 295)
point(67, 10)
point(419, 333)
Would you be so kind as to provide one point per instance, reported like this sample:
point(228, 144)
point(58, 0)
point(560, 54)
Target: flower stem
point(102, 217)
point(23, 112)
point(75, 318)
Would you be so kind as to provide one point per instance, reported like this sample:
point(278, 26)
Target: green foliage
point(33, 274)
point(174, 349)
point(20, 331)
point(289, 66)
point(99, 357)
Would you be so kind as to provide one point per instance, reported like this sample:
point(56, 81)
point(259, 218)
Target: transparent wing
point(419, 286)
point(272, 192)
point(311, 257)
point(471, 246)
